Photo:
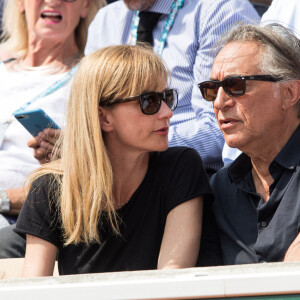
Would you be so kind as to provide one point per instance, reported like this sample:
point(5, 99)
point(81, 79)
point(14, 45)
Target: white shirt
point(16, 89)
point(286, 13)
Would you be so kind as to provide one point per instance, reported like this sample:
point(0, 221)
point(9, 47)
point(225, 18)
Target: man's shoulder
point(117, 5)
point(222, 176)
point(109, 15)
point(224, 189)
point(110, 27)
point(238, 10)
point(112, 9)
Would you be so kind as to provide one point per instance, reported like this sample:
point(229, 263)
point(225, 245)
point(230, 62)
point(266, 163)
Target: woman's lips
point(51, 17)
point(162, 131)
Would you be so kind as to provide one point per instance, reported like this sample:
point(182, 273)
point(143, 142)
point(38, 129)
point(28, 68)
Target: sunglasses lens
point(234, 86)
point(150, 103)
point(209, 90)
point(171, 99)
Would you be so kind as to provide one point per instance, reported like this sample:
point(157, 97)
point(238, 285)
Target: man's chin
point(233, 142)
point(139, 4)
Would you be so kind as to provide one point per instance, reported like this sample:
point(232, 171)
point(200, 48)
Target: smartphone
point(35, 121)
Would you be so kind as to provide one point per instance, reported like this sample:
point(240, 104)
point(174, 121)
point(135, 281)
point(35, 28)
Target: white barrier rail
point(194, 283)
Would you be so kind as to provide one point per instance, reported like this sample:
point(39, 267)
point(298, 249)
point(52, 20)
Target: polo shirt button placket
point(263, 224)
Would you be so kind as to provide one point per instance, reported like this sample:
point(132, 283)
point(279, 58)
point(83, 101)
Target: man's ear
point(20, 4)
point(105, 119)
point(291, 94)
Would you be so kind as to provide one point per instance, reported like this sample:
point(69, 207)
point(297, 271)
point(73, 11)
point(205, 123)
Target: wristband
point(4, 202)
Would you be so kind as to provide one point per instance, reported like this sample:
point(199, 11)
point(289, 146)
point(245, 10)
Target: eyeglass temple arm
point(118, 101)
point(261, 78)
point(130, 98)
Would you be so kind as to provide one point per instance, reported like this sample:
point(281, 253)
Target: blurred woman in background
point(43, 40)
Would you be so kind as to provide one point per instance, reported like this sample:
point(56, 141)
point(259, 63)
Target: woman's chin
point(162, 148)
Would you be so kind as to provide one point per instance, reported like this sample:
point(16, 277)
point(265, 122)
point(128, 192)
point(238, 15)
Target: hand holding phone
point(43, 144)
point(35, 121)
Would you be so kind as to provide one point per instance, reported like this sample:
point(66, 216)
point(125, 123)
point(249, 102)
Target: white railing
point(195, 283)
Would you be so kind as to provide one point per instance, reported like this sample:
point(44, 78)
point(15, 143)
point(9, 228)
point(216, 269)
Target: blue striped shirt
point(188, 55)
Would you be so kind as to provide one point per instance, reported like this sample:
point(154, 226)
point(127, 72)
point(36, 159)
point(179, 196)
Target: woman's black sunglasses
point(234, 86)
point(150, 102)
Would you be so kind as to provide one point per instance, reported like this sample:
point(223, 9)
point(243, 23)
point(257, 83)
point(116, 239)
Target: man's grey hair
point(280, 55)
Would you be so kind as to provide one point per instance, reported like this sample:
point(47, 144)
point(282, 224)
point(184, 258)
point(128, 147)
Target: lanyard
point(177, 4)
point(51, 89)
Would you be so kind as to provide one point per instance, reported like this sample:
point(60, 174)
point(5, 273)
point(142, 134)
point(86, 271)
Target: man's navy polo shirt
point(252, 230)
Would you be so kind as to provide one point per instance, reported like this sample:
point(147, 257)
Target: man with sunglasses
point(184, 32)
point(255, 91)
point(289, 17)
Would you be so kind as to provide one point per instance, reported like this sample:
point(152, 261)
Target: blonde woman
point(118, 199)
point(18, 18)
point(43, 39)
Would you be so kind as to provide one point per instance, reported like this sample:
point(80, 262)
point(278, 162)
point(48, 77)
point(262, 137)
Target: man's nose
point(223, 100)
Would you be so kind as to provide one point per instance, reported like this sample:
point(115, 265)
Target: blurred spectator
point(1, 14)
point(261, 6)
point(42, 55)
point(286, 14)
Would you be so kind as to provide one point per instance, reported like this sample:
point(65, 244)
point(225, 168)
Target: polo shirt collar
point(288, 157)
point(240, 167)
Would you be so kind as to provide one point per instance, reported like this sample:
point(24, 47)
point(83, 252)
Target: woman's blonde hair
point(84, 171)
point(15, 33)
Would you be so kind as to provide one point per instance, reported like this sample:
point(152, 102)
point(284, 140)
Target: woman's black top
point(173, 177)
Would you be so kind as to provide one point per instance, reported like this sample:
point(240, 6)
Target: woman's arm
point(181, 241)
point(39, 258)
point(17, 197)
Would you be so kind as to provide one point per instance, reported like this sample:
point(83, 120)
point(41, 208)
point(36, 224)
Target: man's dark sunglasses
point(234, 86)
point(150, 102)
point(69, 0)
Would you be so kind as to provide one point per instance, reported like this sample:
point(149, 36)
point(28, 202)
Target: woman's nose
point(165, 111)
